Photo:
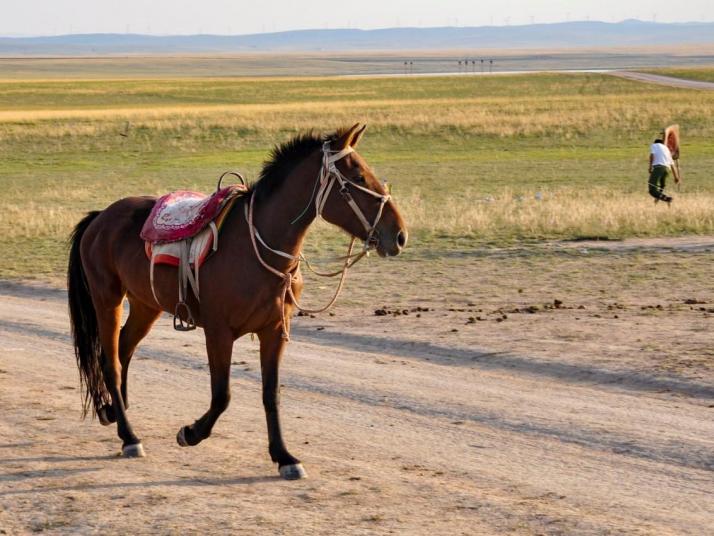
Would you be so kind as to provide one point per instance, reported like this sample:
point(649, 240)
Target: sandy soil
point(580, 418)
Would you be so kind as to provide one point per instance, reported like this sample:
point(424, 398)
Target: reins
point(328, 175)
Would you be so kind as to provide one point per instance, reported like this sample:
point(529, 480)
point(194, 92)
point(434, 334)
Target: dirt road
point(398, 436)
point(664, 80)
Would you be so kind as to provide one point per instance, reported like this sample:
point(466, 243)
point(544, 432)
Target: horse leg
point(108, 319)
point(272, 345)
point(219, 346)
point(138, 324)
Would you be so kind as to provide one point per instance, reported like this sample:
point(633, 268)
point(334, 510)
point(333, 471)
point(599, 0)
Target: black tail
point(85, 332)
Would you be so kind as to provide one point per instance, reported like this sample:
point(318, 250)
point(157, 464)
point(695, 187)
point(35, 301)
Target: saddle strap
point(186, 277)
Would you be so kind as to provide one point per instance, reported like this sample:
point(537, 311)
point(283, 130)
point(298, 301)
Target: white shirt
point(661, 155)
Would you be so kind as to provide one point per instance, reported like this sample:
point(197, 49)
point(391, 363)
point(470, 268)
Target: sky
point(161, 17)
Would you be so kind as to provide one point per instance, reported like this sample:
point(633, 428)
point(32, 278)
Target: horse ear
point(357, 136)
point(345, 140)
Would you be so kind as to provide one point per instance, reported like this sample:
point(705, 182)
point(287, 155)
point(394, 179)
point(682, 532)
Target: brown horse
point(239, 294)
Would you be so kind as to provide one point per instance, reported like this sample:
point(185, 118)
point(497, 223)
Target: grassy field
point(705, 74)
point(473, 160)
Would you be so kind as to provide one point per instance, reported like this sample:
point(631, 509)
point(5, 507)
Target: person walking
point(661, 163)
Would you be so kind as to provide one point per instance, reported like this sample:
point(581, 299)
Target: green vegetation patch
point(473, 160)
point(704, 74)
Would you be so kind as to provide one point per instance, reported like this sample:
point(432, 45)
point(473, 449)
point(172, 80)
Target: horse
point(249, 286)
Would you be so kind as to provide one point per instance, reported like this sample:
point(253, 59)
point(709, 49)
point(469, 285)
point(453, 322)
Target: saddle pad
point(170, 252)
point(183, 214)
point(200, 246)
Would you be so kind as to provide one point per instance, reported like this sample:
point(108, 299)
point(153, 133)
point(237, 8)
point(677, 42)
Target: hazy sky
point(50, 17)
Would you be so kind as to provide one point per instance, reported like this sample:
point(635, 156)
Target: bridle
point(328, 176)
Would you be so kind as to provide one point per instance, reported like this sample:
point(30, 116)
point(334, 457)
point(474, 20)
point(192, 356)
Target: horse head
point(353, 198)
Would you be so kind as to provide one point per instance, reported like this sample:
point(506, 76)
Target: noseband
point(326, 179)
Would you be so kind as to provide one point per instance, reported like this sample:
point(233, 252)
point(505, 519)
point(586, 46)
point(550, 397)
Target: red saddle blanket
point(199, 247)
point(183, 214)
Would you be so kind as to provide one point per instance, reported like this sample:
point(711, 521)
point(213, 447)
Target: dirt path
point(684, 243)
point(397, 436)
point(664, 80)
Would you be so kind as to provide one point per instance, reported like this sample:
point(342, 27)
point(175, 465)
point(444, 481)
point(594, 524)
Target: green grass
point(465, 155)
point(705, 74)
point(146, 93)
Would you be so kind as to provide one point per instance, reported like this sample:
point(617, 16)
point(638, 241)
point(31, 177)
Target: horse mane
point(284, 157)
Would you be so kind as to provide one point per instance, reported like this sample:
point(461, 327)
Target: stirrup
point(179, 324)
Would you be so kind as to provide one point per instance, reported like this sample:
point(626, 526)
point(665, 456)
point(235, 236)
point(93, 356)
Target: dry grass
point(597, 212)
point(562, 212)
point(30, 220)
point(563, 116)
point(466, 157)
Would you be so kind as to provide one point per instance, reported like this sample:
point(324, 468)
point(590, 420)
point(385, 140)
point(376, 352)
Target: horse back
point(111, 250)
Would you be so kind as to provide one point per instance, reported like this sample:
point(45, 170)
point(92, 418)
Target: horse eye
point(359, 178)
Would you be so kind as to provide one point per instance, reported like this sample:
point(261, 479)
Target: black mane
point(284, 157)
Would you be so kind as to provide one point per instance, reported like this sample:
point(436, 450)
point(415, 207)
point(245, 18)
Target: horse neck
point(274, 217)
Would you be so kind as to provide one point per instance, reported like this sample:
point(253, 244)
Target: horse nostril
point(401, 239)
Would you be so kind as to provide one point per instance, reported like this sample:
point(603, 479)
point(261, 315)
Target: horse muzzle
point(391, 244)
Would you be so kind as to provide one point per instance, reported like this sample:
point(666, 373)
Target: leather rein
point(328, 176)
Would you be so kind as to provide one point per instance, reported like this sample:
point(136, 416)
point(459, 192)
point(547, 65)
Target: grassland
point(705, 73)
point(473, 160)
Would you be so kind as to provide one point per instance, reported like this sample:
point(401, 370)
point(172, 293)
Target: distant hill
point(560, 35)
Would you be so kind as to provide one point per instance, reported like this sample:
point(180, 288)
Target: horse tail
point(83, 318)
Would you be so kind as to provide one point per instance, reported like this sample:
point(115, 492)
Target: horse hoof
point(181, 437)
point(293, 472)
point(133, 451)
point(105, 415)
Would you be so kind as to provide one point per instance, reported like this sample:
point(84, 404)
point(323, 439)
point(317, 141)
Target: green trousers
point(657, 181)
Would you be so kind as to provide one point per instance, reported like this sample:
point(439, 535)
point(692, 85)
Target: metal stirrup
point(179, 323)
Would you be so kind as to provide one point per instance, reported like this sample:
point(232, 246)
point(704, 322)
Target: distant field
point(473, 160)
point(349, 63)
point(705, 74)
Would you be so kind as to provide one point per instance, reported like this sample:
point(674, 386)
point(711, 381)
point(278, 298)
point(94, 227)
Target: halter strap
point(332, 158)
point(329, 174)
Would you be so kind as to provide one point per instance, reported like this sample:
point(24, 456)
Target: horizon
point(40, 18)
point(352, 28)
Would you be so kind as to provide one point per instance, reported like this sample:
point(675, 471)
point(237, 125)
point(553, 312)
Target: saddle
point(182, 230)
point(183, 214)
